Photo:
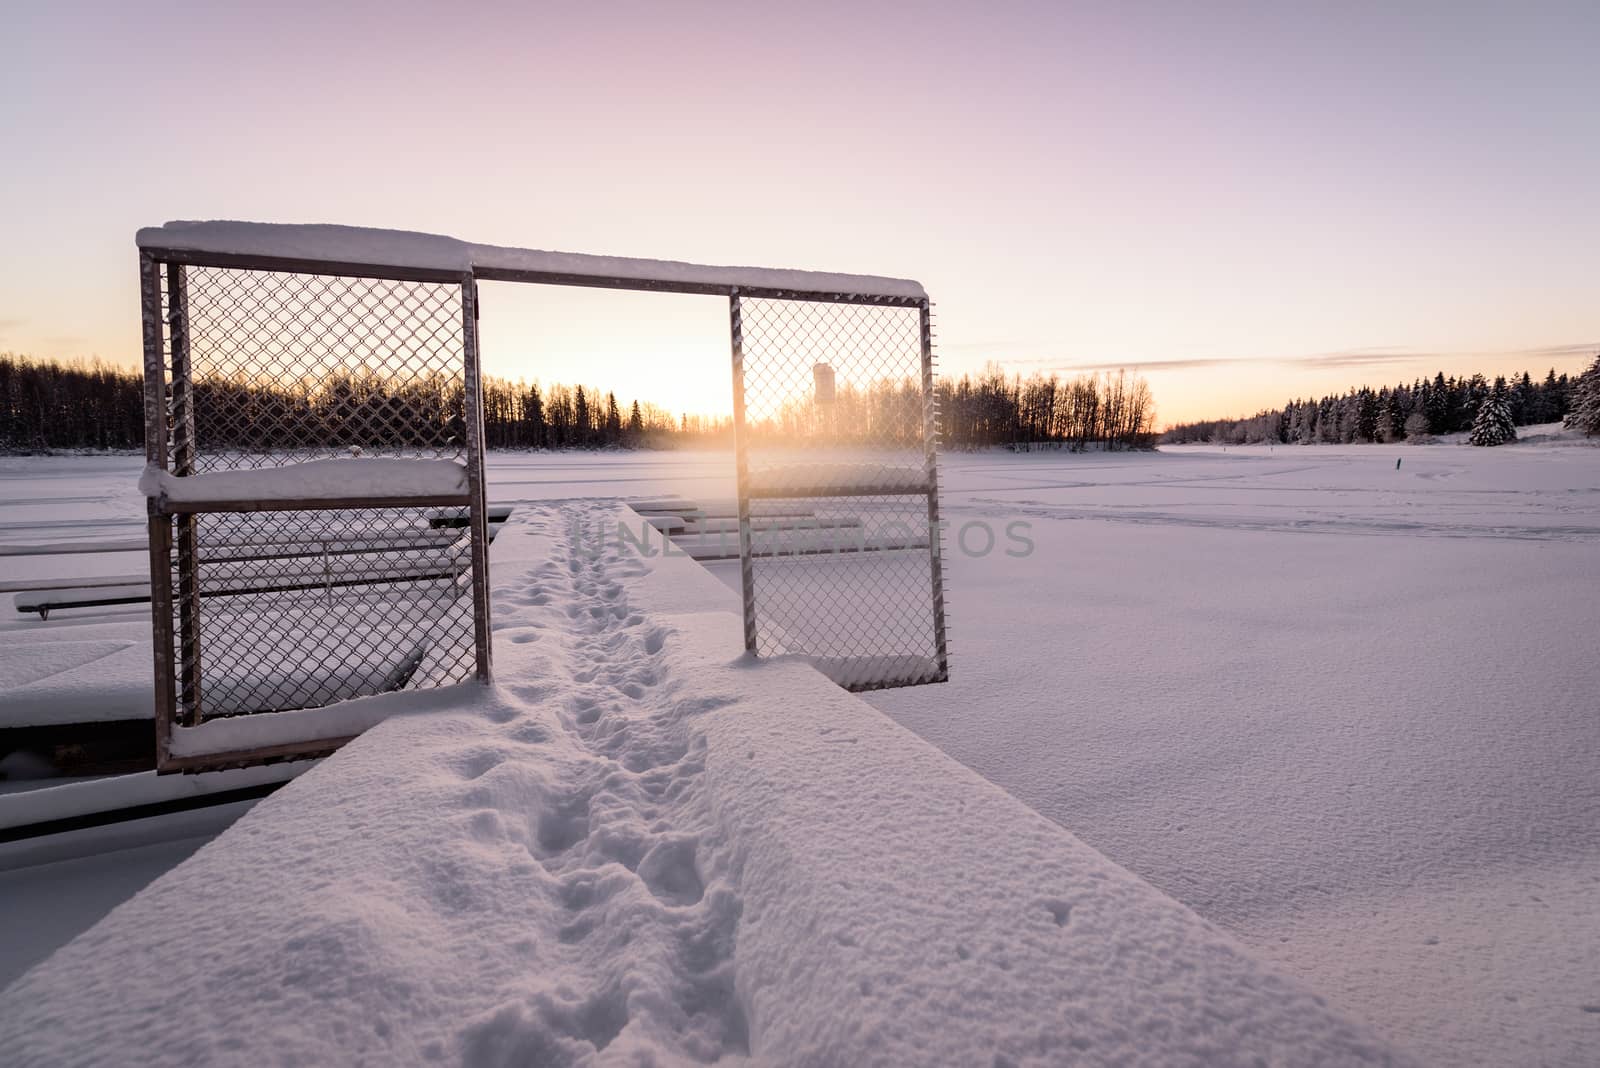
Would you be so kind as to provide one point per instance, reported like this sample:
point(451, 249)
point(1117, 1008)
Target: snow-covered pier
point(638, 843)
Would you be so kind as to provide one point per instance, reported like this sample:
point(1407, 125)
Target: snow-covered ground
point(53, 889)
point(1344, 711)
point(1348, 712)
point(640, 847)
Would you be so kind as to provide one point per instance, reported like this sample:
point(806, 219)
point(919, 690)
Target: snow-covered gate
point(314, 435)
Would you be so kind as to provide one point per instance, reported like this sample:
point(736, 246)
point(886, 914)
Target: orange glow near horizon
point(666, 349)
point(672, 350)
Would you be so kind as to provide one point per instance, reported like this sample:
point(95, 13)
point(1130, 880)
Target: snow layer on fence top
point(321, 242)
point(642, 847)
point(404, 248)
point(370, 477)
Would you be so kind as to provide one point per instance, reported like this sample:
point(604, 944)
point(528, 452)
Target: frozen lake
point(1345, 711)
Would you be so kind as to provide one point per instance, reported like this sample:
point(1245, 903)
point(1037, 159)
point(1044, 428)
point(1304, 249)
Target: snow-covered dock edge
point(639, 839)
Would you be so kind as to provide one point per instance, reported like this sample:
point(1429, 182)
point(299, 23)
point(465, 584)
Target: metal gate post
point(930, 435)
point(159, 525)
point(473, 416)
point(183, 453)
point(747, 578)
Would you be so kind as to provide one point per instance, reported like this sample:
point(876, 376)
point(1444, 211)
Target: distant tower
point(823, 397)
point(823, 373)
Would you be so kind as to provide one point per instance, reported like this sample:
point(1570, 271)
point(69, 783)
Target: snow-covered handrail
point(343, 246)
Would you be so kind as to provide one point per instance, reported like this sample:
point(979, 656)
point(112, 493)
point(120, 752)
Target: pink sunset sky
point(1245, 202)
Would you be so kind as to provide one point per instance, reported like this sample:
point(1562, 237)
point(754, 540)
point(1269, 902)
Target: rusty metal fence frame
point(202, 552)
point(179, 591)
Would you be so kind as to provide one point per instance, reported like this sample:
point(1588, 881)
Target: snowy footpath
point(641, 848)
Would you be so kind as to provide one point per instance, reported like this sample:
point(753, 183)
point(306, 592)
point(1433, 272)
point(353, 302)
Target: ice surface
point(641, 847)
point(400, 248)
point(314, 479)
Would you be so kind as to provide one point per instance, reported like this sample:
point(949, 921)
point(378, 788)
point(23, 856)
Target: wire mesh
point(293, 367)
point(836, 425)
point(302, 609)
point(284, 609)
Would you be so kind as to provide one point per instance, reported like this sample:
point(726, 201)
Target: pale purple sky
point(1268, 199)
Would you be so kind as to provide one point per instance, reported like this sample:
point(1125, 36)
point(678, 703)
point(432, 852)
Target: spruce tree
point(533, 417)
point(1552, 404)
point(1474, 393)
point(1392, 418)
point(1367, 413)
point(1438, 406)
point(613, 428)
point(1492, 425)
point(1584, 397)
point(582, 424)
point(1521, 398)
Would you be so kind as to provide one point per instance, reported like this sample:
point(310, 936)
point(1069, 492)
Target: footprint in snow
point(1060, 912)
point(476, 763)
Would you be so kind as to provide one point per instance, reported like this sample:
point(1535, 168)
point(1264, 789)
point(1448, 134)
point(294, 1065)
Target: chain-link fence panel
point(836, 425)
point(262, 607)
point(303, 609)
point(292, 367)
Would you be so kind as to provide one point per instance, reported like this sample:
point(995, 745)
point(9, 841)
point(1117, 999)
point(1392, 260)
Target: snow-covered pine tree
point(1584, 414)
point(1492, 425)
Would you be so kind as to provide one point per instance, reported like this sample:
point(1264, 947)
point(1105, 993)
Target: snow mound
point(638, 847)
point(1553, 434)
point(402, 248)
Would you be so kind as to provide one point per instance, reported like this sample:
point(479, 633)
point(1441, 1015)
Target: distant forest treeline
point(1105, 410)
point(46, 405)
point(1425, 408)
